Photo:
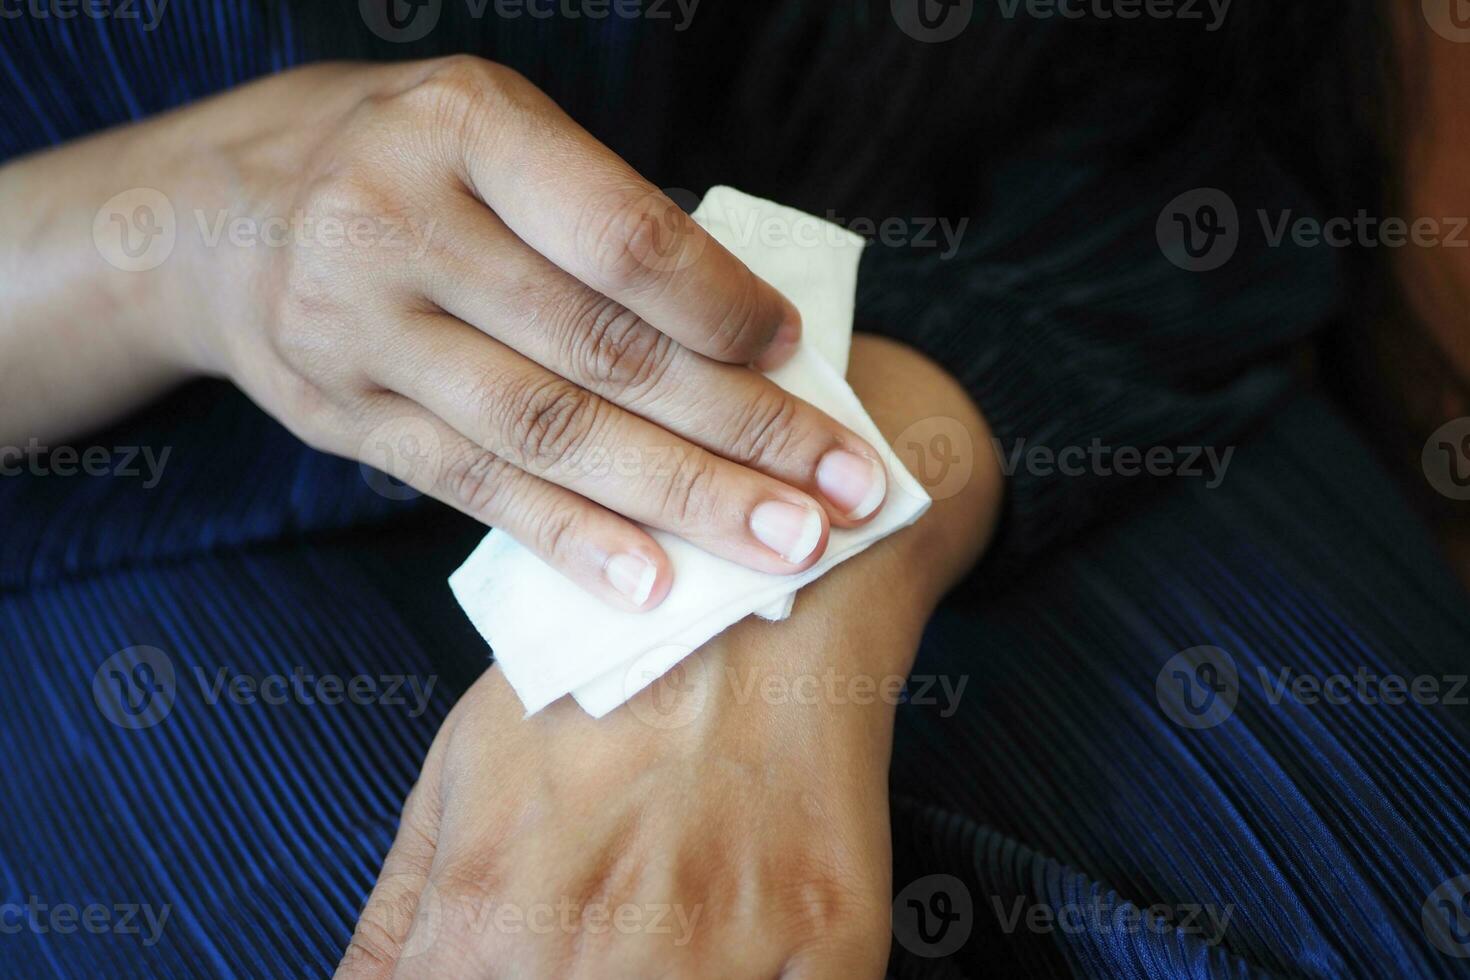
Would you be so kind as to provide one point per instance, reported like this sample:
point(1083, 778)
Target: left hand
point(730, 821)
point(752, 841)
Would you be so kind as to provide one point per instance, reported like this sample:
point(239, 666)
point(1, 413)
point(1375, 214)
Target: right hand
point(567, 339)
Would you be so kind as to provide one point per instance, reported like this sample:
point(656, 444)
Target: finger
point(612, 558)
point(568, 436)
point(589, 212)
point(381, 936)
point(489, 279)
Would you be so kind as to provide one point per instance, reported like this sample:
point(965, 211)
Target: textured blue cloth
point(1060, 781)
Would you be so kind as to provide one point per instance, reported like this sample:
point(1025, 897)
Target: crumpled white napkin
point(553, 639)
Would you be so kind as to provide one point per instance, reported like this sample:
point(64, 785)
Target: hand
point(434, 255)
point(708, 828)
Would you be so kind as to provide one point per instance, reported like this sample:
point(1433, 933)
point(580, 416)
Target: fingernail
point(784, 343)
point(632, 576)
point(855, 484)
point(790, 530)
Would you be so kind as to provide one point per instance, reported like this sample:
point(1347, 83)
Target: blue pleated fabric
point(1324, 829)
point(1057, 780)
point(1054, 800)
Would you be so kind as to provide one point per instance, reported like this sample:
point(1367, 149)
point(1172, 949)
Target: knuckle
point(689, 495)
point(742, 332)
point(624, 242)
point(307, 342)
point(475, 481)
point(557, 531)
point(350, 192)
point(343, 209)
point(320, 247)
point(463, 79)
point(304, 307)
point(462, 93)
point(311, 414)
point(550, 421)
point(613, 876)
point(764, 429)
point(822, 904)
point(616, 348)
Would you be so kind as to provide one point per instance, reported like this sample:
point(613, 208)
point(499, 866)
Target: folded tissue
point(553, 639)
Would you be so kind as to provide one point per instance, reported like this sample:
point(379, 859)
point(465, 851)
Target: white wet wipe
point(552, 638)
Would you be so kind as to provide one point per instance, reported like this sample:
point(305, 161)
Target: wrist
point(943, 440)
point(89, 245)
